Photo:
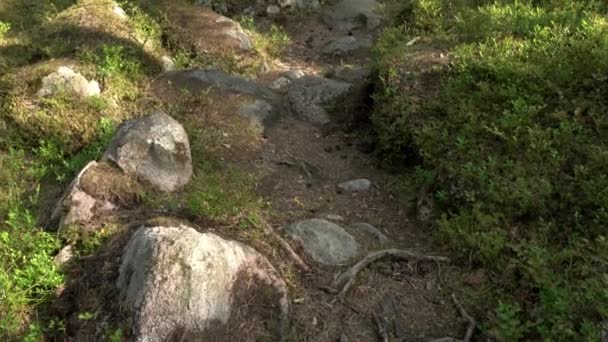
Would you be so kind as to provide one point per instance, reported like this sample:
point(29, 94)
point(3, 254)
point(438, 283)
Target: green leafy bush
point(517, 141)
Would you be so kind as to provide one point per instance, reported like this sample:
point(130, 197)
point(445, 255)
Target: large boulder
point(154, 148)
point(326, 242)
point(310, 96)
point(186, 285)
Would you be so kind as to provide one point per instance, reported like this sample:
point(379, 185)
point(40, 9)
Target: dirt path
point(300, 166)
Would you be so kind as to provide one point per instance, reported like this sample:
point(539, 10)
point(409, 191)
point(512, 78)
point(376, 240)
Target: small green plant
point(4, 28)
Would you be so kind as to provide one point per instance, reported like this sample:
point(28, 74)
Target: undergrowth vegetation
point(514, 147)
point(46, 141)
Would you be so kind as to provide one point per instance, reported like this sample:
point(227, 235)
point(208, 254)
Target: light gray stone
point(370, 230)
point(168, 63)
point(177, 279)
point(346, 45)
point(273, 10)
point(355, 185)
point(326, 242)
point(154, 148)
point(67, 81)
point(350, 74)
point(309, 96)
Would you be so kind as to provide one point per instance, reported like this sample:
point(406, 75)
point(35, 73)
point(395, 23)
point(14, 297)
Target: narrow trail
point(300, 166)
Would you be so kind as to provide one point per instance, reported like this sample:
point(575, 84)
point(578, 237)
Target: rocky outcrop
point(68, 82)
point(253, 101)
point(154, 148)
point(185, 285)
point(326, 242)
point(310, 96)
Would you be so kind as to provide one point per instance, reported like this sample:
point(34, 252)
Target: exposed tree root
point(347, 279)
point(292, 254)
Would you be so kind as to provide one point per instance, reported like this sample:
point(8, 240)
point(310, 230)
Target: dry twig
point(465, 315)
point(292, 254)
point(347, 279)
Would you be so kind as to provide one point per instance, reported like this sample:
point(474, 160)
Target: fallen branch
point(465, 315)
point(347, 279)
point(292, 254)
point(381, 325)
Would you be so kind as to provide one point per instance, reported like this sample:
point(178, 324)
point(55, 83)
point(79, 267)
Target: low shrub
point(516, 140)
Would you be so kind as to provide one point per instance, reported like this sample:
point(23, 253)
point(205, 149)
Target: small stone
point(168, 63)
point(273, 10)
point(279, 83)
point(64, 256)
point(355, 185)
point(66, 80)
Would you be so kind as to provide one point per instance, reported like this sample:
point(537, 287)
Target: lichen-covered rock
point(326, 242)
point(154, 148)
point(67, 81)
point(309, 96)
point(182, 284)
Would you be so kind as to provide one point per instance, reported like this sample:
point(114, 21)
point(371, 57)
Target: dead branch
point(381, 325)
point(292, 254)
point(347, 279)
point(465, 315)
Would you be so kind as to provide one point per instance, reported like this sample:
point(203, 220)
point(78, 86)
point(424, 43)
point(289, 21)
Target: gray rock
point(355, 185)
point(288, 3)
point(351, 14)
point(309, 96)
point(154, 148)
point(326, 242)
point(262, 109)
point(179, 282)
point(67, 81)
point(346, 45)
point(370, 230)
point(273, 10)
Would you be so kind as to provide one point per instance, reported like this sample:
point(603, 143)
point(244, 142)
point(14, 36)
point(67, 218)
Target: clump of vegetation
point(271, 43)
point(514, 146)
